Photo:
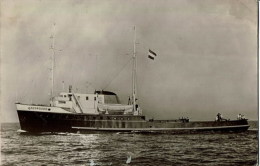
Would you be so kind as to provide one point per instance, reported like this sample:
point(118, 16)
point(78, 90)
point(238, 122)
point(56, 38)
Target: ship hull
point(36, 122)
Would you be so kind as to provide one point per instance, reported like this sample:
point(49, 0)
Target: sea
point(229, 149)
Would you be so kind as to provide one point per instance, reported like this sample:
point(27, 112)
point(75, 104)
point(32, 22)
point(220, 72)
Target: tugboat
point(102, 111)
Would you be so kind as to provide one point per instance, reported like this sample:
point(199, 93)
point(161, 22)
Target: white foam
point(21, 131)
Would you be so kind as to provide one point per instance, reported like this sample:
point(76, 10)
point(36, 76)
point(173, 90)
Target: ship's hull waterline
point(36, 122)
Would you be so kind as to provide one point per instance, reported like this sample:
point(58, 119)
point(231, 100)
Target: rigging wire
point(121, 69)
point(250, 10)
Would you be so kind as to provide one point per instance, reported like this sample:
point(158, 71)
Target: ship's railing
point(184, 120)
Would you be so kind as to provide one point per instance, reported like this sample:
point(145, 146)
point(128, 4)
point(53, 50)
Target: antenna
point(96, 72)
point(52, 62)
point(63, 86)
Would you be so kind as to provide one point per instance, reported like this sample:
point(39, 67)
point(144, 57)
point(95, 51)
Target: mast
point(134, 74)
point(52, 64)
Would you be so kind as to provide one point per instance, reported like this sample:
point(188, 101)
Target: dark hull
point(36, 122)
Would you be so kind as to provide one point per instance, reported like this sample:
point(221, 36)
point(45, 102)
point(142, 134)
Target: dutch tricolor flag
point(151, 54)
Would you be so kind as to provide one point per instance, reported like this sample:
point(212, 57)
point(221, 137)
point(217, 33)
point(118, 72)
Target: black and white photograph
point(129, 82)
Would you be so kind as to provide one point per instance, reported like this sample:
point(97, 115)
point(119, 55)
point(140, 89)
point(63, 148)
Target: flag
point(151, 54)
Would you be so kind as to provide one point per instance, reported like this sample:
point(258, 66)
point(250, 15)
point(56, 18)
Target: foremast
point(134, 94)
point(52, 65)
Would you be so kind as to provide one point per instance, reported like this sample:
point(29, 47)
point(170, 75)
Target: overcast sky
point(206, 63)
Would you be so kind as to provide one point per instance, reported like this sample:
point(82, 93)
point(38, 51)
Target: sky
point(206, 63)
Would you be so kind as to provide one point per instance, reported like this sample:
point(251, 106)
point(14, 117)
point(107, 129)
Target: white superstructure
point(101, 102)
point(97, 103)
